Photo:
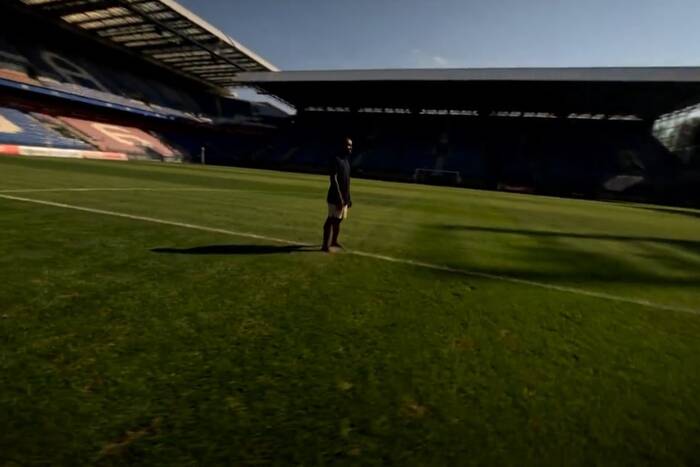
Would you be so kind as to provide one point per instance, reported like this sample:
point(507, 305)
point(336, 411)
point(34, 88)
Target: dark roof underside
point(644, 92)
point(159, 30)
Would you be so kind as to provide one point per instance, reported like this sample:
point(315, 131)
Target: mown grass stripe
point(405, 261)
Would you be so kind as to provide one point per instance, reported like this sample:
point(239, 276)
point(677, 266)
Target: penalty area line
point(390, 259)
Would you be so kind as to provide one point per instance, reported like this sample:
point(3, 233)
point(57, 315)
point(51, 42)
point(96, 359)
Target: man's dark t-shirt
point(339, 191)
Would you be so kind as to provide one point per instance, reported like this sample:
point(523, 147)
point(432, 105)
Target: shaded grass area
point(672, 262)
point(124, 342)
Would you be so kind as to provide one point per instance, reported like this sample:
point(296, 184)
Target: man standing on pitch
point(338, 198)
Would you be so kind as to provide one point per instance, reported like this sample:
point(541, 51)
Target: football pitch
point(180, 315)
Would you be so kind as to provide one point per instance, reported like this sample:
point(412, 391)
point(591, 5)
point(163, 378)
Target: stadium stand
point(49, 70)
point(36, 52)
point(19, 128)
point(567, 158)
point(132, 141)
point(680, 131)
point(147, 80)
point(68, 90)
point(566, 132)
point(47, 57)
point(14, 66)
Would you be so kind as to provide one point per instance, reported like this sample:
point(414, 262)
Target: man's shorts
point(336, 213)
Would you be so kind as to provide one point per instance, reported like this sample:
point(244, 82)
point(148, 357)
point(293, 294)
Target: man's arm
point(337, 187)
point(346, 185)
point(334, 170)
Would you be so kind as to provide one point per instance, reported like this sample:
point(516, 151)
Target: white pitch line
point(515, 280)
point(391, 259)
point(68, 190)
point(150, 219)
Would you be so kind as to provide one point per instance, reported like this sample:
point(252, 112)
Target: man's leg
point(336, 232)
point(327, 228)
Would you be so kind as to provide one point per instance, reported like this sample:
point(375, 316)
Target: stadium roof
point(644, 92)
point(161, 30)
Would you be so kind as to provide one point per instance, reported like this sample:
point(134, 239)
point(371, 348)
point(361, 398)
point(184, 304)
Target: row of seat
point(17, 127)
point(49, 59)
point(111, 98)
point(42, 130)
point(114, 81)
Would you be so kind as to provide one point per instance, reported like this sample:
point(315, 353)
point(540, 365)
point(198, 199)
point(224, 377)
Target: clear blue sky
point(330, 34)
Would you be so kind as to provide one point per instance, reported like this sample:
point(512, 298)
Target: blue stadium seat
point(17, 127)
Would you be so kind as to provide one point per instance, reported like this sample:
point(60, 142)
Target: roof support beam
point(63, 9)
point(140, 28)
point(163, 25)
point(107, 22)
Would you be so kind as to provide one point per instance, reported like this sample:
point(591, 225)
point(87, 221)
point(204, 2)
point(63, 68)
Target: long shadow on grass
point(236, 250)
point(678, 212)
point(691, 244)
point(549, 260)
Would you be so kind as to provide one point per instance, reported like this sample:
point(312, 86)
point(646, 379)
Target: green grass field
point(461, 327)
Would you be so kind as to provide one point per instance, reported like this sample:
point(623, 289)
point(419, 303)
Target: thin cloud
point(422, 59)
point(440, 61)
